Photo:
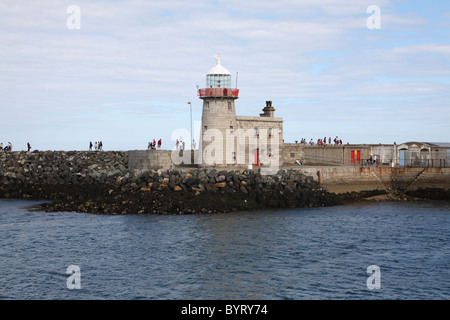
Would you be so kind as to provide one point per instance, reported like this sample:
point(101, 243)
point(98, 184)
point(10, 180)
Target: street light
point(190, 107)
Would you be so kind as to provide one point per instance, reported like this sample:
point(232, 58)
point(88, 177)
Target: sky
point(123, 72)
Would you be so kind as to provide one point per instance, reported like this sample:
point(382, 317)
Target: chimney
point(268, 110)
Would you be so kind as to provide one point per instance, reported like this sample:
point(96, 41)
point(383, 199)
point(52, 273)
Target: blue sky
point(126, 75)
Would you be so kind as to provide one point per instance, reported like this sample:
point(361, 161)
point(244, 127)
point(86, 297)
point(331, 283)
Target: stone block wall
point(345, 179)
point(268, 138)
point(150, 159)
point(291, 152)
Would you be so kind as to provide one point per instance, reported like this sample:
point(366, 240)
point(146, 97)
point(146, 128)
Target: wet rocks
point(99, 182)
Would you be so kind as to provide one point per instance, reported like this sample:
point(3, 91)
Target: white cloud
point(133, 57)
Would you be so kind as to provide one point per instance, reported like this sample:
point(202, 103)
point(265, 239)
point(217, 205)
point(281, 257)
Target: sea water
point(385, 250)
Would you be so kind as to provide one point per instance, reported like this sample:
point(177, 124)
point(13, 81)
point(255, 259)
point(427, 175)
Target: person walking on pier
point(90, 145)
point(29, 146)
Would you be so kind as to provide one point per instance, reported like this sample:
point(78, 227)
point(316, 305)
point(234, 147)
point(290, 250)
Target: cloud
point(135, 60)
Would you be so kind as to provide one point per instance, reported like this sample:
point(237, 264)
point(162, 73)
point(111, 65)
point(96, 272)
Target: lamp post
point(190, 108)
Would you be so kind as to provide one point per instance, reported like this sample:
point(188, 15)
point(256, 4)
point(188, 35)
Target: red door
point(256, 158)
point(355, 156)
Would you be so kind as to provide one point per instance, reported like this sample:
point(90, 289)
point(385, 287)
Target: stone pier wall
point(102, 182)
point(346, 178)
point(149, 159)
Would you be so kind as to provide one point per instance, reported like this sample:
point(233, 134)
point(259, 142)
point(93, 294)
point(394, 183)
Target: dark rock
point(99, 182)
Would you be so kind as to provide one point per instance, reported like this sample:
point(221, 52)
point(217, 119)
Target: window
point(270, 132)
point(229, 105)
point(206, 128)
point(233, 155)
point(218, 80)
point(231, 129)
point(206, 105)
point(292, 155)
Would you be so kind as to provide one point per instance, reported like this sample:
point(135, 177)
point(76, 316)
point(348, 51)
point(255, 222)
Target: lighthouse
point(229, 140)
point(218, 114)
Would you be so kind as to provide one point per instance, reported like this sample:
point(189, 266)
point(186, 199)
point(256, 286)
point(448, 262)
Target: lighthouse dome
point(218, 76)
point(219, 69)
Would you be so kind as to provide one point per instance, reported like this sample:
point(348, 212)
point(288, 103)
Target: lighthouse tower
point(218, 115)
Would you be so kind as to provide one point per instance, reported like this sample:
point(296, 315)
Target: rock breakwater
point(100, 182)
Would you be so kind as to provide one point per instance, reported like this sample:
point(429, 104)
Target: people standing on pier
point(152, 145)
point(178, 144)
point(1, 146)
point(6, 148)
point(159, 144)
point(28, 146)
point(96, 146)
point(90, 145)
point(193, 144)
point(100, 146)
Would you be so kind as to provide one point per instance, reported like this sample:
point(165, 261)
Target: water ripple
point(315, 253)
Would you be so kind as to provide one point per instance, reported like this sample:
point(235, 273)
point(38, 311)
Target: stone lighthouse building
point(218, 114)
point(230, 140)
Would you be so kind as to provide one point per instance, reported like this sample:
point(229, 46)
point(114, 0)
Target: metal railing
point(423, 163)
point(218, 92)
point(309, 159)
